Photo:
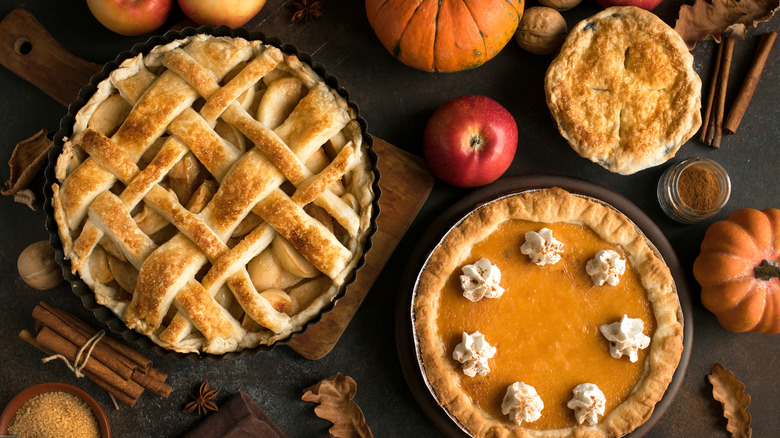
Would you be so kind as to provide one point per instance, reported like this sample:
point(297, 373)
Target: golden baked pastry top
point(545, 325)
point(623, 91)
point(215, 194)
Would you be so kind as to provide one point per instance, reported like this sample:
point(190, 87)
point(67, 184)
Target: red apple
point(131, 17)
point(470, 141)
point(644, 4)
point(232, 13)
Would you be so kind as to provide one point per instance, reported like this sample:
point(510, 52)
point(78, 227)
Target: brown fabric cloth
point(239, 417)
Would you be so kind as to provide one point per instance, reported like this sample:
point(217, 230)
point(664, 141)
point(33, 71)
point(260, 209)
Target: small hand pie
point(623, 91)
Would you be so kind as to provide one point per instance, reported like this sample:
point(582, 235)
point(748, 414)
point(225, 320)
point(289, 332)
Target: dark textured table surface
point(396, 101)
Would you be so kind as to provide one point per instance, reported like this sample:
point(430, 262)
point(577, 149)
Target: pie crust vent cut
point(215, 194)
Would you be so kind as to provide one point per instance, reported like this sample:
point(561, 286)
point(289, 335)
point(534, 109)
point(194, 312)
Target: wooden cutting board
point(27, 49)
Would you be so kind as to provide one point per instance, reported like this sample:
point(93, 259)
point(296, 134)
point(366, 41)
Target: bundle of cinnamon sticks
point(713, 124)
point(115, 367)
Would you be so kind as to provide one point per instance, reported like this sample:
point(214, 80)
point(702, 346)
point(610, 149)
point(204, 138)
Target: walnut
point(37, 267)
point(541, 31)
point(560, 5)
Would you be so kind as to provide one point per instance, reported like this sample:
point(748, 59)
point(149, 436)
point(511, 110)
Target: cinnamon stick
point(122, 397)
point(723, 80)
point(157, 374)
point(711, 96)
point(135, 361)
point(137, 368)
point(748, 87)
point(120, 370)
point(30, 339)
point(101, 352)
point(54, 342)
point(151, 383)
point(131, 355)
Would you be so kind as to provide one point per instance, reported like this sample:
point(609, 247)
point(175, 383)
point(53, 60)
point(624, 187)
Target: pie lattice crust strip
point(215, 194)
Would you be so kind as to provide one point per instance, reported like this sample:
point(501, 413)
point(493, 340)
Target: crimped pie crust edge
point(549, 205)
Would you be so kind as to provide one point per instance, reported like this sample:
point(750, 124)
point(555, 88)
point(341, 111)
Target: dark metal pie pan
point(406, 343)
point(83, 291)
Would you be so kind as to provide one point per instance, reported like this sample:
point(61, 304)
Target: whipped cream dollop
point(606, 267)
point(541, 247)
point(473, 353)
point(481, 280)
point(522, 403)
point(625, 337)
point(588, 403)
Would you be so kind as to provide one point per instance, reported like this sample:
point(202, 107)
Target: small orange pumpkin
point(738, 270)
point(444, 35)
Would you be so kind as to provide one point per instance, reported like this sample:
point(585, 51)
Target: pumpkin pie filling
point(545, 326)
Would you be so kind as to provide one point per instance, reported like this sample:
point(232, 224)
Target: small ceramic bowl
point(22, 398)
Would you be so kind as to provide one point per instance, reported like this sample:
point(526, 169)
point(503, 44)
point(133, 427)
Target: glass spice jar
point(693, 190)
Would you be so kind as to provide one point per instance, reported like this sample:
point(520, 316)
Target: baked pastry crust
point(623, 90)
point(548, 206)
point(215, 194)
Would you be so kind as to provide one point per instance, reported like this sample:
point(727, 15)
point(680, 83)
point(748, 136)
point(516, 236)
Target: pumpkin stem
point(767, 270)
point(476, 142)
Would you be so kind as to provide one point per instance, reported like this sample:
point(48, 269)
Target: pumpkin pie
point(560, 323)
point(216, 194)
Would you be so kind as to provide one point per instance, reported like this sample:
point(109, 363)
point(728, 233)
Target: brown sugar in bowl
point(23, 397)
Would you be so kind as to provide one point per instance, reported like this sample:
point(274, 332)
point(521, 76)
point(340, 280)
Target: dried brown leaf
point(334, 395)
point(704, 20)
point(26, 197)
point(731, 393)
point(28, 156)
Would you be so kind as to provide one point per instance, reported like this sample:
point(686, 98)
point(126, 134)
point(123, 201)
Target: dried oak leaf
point(704, 20)
point(28, 156)
point(334, 395)
point(26, 197)
point(731, 393)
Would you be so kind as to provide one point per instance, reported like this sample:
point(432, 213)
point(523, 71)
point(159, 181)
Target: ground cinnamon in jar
point(698, 188)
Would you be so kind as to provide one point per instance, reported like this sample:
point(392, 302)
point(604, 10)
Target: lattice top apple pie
point(215, 194)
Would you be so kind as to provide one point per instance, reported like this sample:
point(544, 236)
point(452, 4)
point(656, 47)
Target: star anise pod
point(204, 401)
point(307, 10)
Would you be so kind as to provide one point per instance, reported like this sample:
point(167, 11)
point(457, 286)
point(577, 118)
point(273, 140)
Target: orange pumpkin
point(444, 35)
point(738, 273)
